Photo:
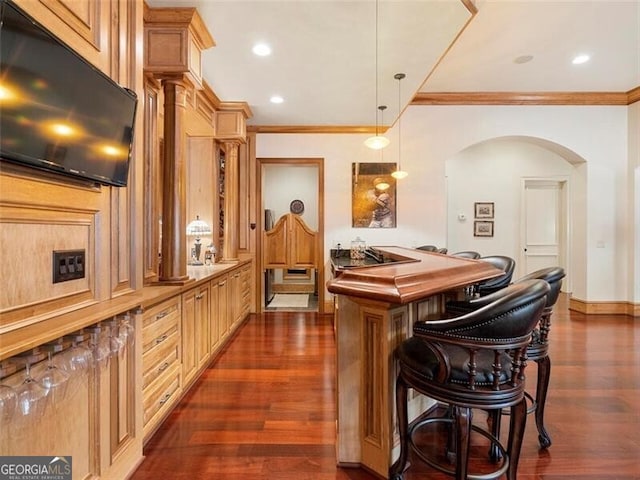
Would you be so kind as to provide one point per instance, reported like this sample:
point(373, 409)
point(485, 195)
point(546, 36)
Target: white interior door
point(544, 224)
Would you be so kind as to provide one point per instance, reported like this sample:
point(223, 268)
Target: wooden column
point(231, 201)
point(174, 209)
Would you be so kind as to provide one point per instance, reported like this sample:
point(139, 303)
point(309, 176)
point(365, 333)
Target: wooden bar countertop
point(414, 276)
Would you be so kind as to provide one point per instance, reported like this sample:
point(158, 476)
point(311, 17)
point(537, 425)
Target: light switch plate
point(68, 265)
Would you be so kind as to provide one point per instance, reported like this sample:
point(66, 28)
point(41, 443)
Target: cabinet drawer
point(160, 396)
point(160, 322)
point(157, 360)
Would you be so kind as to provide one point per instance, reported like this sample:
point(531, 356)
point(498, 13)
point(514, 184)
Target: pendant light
point(399, 174)
point(378, 141)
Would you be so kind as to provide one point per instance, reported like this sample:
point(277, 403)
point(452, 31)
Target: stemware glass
point(126, 332)
point(54, 380)
point(116, 343)
point(8, 404)
point(100, 346)
point(32, 396)
point(79, 358)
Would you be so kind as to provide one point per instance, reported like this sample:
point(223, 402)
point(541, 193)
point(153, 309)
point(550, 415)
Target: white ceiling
point(324, 52)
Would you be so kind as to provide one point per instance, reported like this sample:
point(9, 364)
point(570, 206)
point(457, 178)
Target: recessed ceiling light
point(261, 49)
point(523, 59)
point(277, 99)
point(580, 59)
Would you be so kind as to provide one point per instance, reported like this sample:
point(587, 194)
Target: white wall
point(432, 135)
point(634, 199)
point(493, 171)
point(281, 184)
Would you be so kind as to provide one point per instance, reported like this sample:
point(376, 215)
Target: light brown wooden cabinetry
point(161, 366)
point(214, 324)
point(195, 331)
point(245, 291)
point(223, 307)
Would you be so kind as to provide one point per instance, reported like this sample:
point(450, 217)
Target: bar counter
point(377, 304)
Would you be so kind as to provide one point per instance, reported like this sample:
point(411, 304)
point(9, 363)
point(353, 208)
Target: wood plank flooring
point(265, 409)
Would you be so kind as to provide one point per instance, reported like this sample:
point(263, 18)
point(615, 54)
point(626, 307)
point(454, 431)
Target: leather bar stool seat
point(504, 263)
point(467, 254)
point(537, 350)
point(475, 361)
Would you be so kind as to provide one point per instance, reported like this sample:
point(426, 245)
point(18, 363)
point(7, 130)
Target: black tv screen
point(57, 111)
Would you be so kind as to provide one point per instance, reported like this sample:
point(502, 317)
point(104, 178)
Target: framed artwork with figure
point(373, 195)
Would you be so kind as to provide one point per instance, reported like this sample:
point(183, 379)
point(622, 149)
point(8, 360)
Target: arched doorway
point(501, 171)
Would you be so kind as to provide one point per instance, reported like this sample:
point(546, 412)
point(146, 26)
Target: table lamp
point(197, 228)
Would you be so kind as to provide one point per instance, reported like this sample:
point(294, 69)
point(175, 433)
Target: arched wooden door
point(290, 244)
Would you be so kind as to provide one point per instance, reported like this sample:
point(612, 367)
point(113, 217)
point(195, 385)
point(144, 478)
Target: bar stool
point(473, 361)
point(504, 263)
point(466, 254)
point(537, 350)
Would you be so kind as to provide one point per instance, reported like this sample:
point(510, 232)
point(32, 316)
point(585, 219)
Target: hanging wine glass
point(8, 404)
point(32, 396)
point(78, 358)
point(116, 344)
point(100, 346)
point(126, 332)
point(54, 379)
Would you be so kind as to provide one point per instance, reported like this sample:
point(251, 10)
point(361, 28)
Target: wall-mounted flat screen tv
point(57, 111)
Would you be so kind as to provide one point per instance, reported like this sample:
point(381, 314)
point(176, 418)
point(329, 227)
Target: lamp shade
point(399, 174)
point(377, 142)
point(198, 228)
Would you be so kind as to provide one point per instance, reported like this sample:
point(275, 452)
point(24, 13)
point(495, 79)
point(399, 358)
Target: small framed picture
point(483, 209)
point(482, 228)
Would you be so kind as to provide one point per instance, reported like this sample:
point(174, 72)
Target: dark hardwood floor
point(265, 409)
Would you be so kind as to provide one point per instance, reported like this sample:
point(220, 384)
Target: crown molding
point(519, 98)
point(527, 98)
point(349, 129)
point(470, 98)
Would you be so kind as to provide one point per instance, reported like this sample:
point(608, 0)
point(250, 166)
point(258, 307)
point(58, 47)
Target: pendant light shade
point(399, 174)
point(378, 141)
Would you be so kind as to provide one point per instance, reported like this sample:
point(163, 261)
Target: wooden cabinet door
point(189, 363)
point(223, 311)
point(202, 342)
point(235, 298)
point(214, 316)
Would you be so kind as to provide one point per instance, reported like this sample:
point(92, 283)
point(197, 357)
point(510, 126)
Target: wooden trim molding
point(522, 98)
point(470, 5)
point(471, 98)
point(604, 308)
point(348, 129)
point(633, 95)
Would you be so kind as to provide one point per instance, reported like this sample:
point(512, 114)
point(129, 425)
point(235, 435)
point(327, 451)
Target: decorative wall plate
point(297, 207)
